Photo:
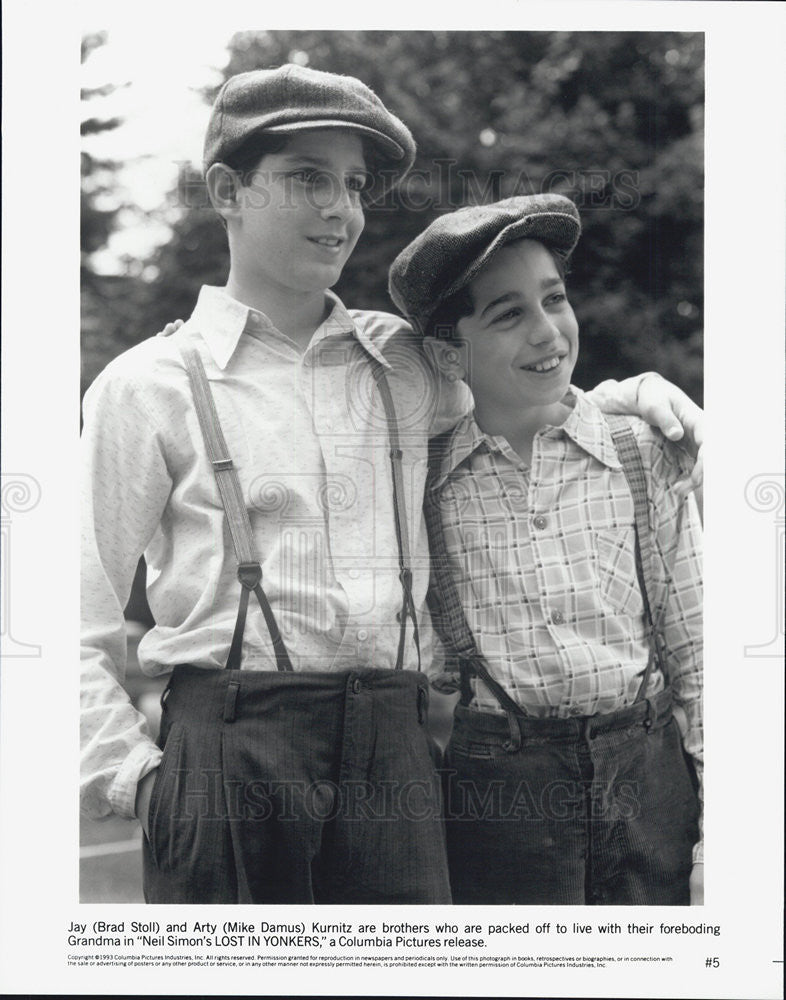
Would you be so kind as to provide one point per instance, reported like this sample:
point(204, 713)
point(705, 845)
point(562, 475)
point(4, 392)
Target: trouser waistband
point(222, 694)
point(649, 713)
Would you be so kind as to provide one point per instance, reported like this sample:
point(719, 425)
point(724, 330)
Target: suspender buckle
point(405, 577)
point(249, 574)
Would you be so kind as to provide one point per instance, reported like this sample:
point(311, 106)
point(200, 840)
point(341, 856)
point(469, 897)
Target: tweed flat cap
point(293, 98)
point(452, 250)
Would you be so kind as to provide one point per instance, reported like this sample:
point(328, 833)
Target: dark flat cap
point(293, 98)
point(452, 250)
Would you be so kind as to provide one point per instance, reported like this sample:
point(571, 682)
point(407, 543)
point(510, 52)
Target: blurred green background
point(611, 119)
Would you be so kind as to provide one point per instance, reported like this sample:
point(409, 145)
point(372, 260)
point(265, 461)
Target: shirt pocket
point(617, 581)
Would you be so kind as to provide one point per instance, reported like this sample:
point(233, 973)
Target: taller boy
point(267, 773)
point(306, 775)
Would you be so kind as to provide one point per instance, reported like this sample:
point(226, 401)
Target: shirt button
point(557, 618)
point(540, 522)
point(353, 574)
point(362, 635)
point(356, 686)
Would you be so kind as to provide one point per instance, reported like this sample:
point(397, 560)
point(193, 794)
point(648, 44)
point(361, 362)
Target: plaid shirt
point(543, 559)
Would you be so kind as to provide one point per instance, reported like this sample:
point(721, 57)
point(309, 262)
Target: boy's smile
point(522, 337)
point(331, 243)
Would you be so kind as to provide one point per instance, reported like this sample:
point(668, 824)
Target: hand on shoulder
point(170, 328)
point(663, 405)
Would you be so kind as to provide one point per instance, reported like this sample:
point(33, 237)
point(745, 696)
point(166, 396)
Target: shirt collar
point(457, 445)
point(221, 320)
point(585, 426)
point(337, 323)
point(373, 329)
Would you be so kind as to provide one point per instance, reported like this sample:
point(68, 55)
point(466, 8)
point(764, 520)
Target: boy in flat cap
point(269, 460)
point(567, 586)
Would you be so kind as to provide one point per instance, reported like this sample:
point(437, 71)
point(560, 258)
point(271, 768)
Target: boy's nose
point(542, 330)
point(338, 201)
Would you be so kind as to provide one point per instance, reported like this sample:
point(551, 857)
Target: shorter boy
point(566, 778)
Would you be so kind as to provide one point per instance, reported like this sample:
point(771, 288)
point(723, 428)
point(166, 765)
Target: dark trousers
point(599, 810)
point(296, 788)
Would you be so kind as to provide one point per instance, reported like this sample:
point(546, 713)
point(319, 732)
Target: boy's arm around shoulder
point(125, 486)
point(677, 569)
point(662, 405)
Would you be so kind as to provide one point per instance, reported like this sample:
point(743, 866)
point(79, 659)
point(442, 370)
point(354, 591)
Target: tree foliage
point(612, 119)
point(109, 303)
point(97, 222)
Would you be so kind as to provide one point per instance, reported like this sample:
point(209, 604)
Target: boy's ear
point(222, 188)
point(449, 357)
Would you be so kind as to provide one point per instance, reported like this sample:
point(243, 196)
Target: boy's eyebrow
point(500, 299)
point(509, 296)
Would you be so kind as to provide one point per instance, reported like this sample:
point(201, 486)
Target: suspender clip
point(249, 574)
point(396, 454)
point(222, 464)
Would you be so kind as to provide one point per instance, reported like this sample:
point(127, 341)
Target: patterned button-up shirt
point(544, 562)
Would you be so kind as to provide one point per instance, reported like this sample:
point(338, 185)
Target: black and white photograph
point(380, 506)
point(313, 565)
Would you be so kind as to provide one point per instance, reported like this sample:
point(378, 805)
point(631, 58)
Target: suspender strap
point(400, 516)
point(249, 572)
point(448, 612)
point(630, 459)
point(478, 665)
